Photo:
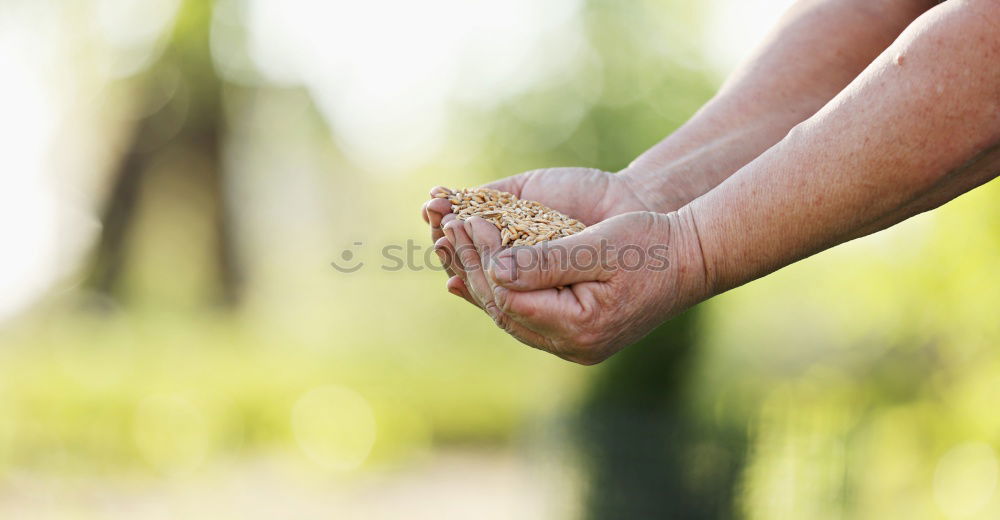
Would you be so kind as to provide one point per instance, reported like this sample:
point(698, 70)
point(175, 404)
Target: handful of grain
point(521, 222)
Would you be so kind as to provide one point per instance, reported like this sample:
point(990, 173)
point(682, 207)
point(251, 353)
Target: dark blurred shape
point(181, 115)
point(647, 450)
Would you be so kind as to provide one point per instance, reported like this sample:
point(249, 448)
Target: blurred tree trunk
point(647, 449)
point(182, 94)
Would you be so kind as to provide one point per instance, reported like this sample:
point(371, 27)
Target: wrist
point(700, 156)
point(695, 280)
point(662, 190)
point(682, 168)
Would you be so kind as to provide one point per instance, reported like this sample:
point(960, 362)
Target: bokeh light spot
point(965, 479)
point(171, 434)
point(335, 427)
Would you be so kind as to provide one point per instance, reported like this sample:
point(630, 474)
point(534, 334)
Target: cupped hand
point(587, 296)
point(585, 194)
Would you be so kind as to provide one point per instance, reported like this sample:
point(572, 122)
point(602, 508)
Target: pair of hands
point(582, 297)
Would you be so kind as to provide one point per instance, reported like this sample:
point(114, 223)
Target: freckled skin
point(901, 148)
point(853, 116)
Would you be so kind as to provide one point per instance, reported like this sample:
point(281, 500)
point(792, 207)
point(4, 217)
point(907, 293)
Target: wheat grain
point(521, 222)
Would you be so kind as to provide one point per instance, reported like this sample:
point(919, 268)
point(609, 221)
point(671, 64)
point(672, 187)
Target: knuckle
point(468, 256)
point(552, 259)
point(447, 260)
point(513, 303)
point(499, 318)
point(452, 224)
point(523, 308)
point(588, 315)
point(553, 255)
point(591, 323)
point(611, 300)
point(647, 219)
point(536, 172)
point(503, 300)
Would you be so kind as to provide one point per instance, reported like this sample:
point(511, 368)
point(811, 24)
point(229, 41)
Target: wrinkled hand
point(587, 195)
point(587, 296)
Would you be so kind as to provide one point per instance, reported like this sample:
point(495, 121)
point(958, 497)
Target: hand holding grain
point(585, 194)
point(587, 296)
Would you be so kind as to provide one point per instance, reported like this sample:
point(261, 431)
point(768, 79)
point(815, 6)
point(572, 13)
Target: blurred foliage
point(866, 367)
point(73, 390)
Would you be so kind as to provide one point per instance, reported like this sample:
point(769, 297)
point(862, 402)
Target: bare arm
point(980, 170)
point(917, 128)
point(815, 51)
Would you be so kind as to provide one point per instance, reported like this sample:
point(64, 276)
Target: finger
point(486, 239)
point(445, 253)
point(565, 317)
point(481, 291)
point(584, 257)
point(475, 278)
point(457, 287)
point(439, 189)
point(455, 265)
point(545, 311)
point(545, 342)
point(510, 184)
point(510, 325)
point(436, 209)
point(449, 240)
point(527, 336)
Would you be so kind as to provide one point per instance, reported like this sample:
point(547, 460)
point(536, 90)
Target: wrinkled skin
point(839, 127)
point(585, 297)
point(597, 311)
point(585, 194)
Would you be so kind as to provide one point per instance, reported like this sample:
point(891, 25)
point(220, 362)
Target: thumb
point(585, 257)
point(510, 184)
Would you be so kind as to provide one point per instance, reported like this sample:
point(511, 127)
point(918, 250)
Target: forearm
point(818, 48)
point(898, 140)
point(978, 171)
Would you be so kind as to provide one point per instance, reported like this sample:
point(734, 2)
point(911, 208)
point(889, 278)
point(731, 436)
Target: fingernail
point(468, 230)
point(441, 255)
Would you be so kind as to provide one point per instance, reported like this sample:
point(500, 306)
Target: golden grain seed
point(521, 222)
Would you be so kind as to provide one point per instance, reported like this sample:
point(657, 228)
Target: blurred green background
point(177, 177)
